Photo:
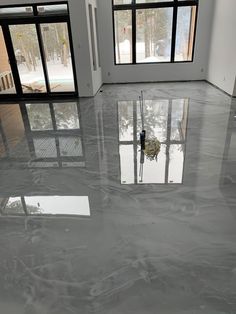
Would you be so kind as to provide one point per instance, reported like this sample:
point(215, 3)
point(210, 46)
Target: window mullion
point(134, 35)
point(174, 26)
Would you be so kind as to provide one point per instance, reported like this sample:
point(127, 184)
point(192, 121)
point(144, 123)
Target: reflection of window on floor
point(54, 135)
point(163, 119)
point(66, 116)
point(12, 133)
point(41, 116)
point(46, 205)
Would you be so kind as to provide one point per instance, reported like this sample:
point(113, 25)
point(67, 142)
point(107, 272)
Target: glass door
point(28, 58)
point(56, 45)
point(38, 41)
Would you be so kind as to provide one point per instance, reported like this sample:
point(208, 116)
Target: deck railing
point(6, 81)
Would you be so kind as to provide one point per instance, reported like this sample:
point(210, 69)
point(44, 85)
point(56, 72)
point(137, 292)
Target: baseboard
point(148, 82)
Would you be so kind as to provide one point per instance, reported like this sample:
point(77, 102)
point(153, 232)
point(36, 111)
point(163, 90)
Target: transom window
point(153, 31)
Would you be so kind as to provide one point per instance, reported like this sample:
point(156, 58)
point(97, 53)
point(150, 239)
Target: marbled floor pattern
point(88, 225)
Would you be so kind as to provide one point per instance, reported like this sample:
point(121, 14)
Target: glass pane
point(66, 115)
point(16, 11)
point(12, 129)
point(154, 32)
point(152, 1)
point(92, 36)
point(122, 1)
point(27, 53)
point(48, 205)
point(123, 36)
point(125, 110)
point(185, 33)
point(151, 171)
point(58, 205)
point(74, 164)
point(45, 147)
point(179, 119)
point(14, 207)
point(70, 146)
point(58, 57)
point(97, 36)
point(44, 164)
point(52, 9)
point(127, 164)
point(176, 164)
point(39, 117)
point(6, 79)
point(154, 116)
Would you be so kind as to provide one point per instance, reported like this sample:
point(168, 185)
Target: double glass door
point(37, 57)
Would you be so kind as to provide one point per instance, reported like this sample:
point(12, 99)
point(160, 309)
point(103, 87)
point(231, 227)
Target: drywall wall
point(89, 80)
point(154, 72)
point(222, 54)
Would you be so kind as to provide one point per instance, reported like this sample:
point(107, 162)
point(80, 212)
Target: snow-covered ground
point(126, 53)
point(60, 77)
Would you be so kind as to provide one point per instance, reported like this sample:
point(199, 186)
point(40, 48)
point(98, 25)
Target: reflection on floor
point(47, 205)
point(165, 120)
point(50, 135)
point(87, 226)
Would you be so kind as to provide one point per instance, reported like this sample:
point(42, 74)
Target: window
point(52, 9)
point(16, 11)
point(154, 31)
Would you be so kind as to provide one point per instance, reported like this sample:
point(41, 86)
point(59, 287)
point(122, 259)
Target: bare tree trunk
point(65, 50)
point(129, 30)
point(45, 45)
point(147, 36)
point(33, 59)
point(58, 50)
point(25, 54)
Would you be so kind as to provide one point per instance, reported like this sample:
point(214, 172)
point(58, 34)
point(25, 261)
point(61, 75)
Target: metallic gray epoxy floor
point(96, 237)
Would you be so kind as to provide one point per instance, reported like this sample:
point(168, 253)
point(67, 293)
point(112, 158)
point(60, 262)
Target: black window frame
point(35, 18)
point(133, 6)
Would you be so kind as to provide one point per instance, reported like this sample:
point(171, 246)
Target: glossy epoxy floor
point(90, 226)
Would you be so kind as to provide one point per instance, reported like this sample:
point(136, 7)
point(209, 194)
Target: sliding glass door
point(56, 45)
point(38, 47)
point(28, 58)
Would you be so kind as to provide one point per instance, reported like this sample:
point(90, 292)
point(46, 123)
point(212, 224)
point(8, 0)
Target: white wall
point(222, 55)
point(154, 72)
point(88, 80)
